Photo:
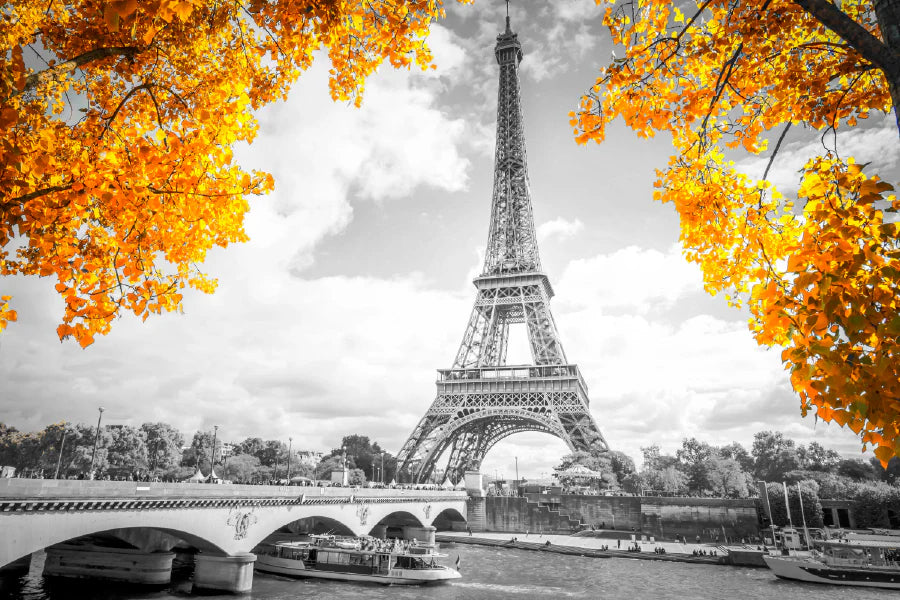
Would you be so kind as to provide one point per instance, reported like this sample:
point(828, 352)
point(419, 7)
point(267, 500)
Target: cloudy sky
point(356, 284)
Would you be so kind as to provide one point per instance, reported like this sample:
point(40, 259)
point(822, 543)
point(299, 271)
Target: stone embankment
point(594, 547)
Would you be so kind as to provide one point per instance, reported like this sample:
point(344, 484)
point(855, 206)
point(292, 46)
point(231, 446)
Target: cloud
point(874, 142)
point(633, 279)
point(559, 228)
point(577, 10)
point(659, 372)
point(449, 52)
point(540, 63)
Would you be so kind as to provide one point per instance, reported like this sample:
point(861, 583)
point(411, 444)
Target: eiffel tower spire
point(481, 399)
point(512, 242)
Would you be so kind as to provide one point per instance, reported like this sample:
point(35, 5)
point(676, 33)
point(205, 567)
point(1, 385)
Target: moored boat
point(355, 559)
point(866, 563)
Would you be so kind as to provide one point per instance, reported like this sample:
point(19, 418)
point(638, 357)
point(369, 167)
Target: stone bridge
point(220, 523)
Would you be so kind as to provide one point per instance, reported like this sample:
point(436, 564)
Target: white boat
point(866, 563)
point(355, 559)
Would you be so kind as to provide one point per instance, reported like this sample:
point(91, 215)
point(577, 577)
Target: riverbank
point(590, 546)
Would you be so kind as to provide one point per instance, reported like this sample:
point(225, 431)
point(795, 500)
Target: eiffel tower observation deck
point(481, 399)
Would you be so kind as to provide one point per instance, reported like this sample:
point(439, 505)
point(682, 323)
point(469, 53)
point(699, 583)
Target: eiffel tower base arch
point(476, 408)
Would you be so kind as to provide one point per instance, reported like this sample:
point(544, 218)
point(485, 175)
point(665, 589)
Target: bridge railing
point(15, 489)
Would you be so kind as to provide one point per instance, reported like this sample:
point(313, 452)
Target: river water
point(492, 573)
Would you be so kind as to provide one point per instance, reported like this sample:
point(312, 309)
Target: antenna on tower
point(507, 17)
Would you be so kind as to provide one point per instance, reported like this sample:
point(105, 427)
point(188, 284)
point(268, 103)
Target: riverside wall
point(662, 518)
point(710, 518)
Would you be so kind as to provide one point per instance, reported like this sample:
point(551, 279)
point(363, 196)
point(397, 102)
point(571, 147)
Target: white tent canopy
point(448, 485)
point(196, 477)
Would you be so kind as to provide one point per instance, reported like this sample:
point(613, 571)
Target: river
point(491, 573)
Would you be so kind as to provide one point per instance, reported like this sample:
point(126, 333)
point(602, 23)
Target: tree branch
point(777, 146)
point(35, 194)
point(869, 46)
point(63, 68)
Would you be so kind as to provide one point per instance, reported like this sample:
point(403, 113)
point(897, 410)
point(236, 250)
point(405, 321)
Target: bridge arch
point(392, 524)
point(449, 519)
point(315, 524)
point(149, 537)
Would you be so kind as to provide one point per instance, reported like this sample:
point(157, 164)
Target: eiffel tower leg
point(476, 339)
point(583, 433)
point(497, 342)
point(412, 456)
point(545, 346)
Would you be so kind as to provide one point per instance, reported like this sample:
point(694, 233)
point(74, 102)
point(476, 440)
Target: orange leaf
point(111, 17)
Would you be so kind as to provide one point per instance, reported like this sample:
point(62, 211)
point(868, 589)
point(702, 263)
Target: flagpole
point(787, 508)
point(803, 515)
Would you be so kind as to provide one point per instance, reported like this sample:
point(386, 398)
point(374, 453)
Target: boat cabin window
point(333, 558)
point(409, 562)
point(293, 553)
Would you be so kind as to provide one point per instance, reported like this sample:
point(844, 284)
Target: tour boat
point(355, 559)
point(867, 563)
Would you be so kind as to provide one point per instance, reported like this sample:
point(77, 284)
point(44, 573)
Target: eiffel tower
point(481, 399)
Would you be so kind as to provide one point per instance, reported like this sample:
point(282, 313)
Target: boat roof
point(861, 543)
point(294, 544)
point(417, 551)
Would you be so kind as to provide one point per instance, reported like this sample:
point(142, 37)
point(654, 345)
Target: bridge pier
point(224, 573)
point(109, 564)
point(423, 535)
point(474, 483)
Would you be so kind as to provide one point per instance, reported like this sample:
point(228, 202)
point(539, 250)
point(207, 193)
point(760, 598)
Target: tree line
point(159, 451)
point(732, 471)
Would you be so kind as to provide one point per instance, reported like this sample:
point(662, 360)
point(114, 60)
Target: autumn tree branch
point(869, 46)
point(64, 68)
point(775, 151)
point(36, 194)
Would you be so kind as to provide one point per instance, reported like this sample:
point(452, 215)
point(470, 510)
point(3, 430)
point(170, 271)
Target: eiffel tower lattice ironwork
point(481, 399)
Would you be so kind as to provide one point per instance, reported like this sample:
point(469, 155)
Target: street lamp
point(212, 459)
point(290, 446)
point(96, 439)
point(382, 468)
point(276, 468)
point(61, 446)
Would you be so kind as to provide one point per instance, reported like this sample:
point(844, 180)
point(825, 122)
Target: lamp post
point(61, 446)
point(290, 446)
point(96, 439)
point(382, 468)
point(212, 457)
